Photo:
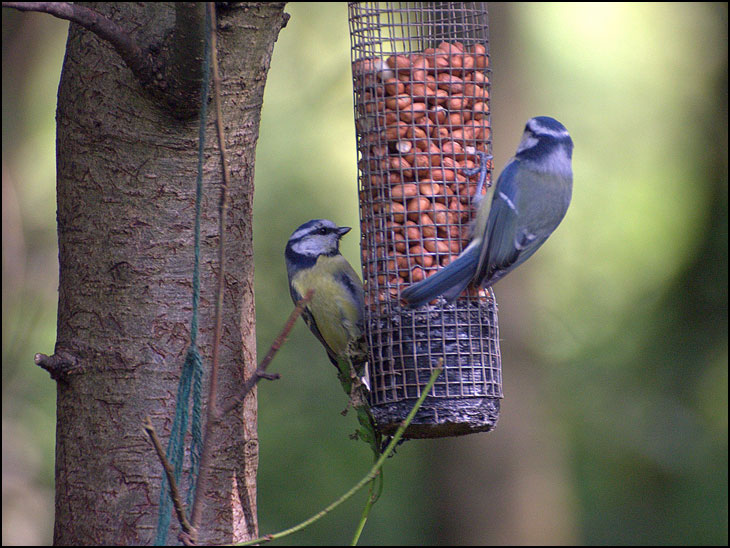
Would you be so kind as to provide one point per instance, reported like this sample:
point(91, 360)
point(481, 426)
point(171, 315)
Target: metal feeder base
point(438, 418)
point(410, 344)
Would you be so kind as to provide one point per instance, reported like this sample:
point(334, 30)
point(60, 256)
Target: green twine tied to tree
point(191, 375)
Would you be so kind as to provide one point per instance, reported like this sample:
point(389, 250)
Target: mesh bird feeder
point(421, 87)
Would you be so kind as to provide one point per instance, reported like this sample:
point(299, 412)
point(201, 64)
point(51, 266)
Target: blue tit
point(529, 201)
point(313, 261)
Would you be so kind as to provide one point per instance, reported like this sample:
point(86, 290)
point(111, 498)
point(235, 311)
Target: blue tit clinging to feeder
point(313, 261)
point(529, 201)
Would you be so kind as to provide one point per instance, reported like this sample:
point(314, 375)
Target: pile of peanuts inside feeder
point(421, 120)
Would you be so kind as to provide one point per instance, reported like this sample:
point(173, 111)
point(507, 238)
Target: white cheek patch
point(528, 141)
point(311, 246)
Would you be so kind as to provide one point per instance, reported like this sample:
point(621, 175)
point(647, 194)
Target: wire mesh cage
point(421, 88)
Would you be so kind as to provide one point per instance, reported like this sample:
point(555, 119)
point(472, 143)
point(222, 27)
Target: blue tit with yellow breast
point(335, 312)
point(313, 261)
point(529, 201)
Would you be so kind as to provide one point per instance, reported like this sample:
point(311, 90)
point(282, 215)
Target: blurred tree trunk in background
point(126, 173)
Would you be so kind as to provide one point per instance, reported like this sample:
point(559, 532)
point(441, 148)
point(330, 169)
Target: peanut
point(417, 274)
point(413, 112)
point(394, 87)
point(398, 102)
point(421, 256)
point(398, 62)
point(429, 189)
point(404, 191)
point(450, 83)
point(437, 246)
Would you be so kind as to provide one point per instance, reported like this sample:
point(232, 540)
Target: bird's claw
point(482, 169)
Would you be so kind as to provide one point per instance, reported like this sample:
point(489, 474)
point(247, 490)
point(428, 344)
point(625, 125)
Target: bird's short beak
point(344, 230)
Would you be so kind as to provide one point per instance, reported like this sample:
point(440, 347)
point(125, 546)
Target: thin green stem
point(371, 475)
point(372, 497)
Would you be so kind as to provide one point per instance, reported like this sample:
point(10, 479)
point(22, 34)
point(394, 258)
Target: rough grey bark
point(126, 173)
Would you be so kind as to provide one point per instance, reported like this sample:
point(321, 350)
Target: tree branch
point(103, 27)
point(59, 364)
point(175, 79)
point(260, 372)
point(170, 473)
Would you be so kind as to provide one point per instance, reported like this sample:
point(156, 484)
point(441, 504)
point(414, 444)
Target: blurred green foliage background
point(614, 336)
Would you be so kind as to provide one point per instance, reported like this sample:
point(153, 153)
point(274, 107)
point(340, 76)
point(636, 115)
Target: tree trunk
point(126, 173)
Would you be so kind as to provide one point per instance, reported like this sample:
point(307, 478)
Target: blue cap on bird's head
point(543, 137)
point(322, 226)
point(545, 124)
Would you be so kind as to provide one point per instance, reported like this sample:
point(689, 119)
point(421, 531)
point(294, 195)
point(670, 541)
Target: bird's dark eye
point(322, 231)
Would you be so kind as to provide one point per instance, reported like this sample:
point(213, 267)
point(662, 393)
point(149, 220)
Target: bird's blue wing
point(498, 251)
point(349, 280)
point(308, 318)
point(528, 206)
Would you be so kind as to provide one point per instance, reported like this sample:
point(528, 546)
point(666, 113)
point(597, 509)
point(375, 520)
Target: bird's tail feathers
point(450, 281)
point(451, 294)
